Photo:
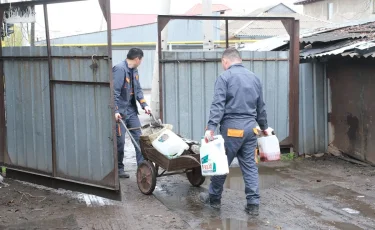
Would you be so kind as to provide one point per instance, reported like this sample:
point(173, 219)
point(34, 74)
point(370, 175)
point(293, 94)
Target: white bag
point(269, 148)
point(214, 161)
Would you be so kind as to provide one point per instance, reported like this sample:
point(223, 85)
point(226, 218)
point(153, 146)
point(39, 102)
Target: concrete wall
point(343, 10)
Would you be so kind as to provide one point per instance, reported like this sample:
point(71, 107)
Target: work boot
point(205, 199)
point(122, 174)
point(252, 209)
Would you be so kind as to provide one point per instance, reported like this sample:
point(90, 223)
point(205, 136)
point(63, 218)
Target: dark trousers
point(132, 121)
point(244, 149)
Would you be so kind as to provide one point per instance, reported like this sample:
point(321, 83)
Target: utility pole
point(32, 34)
point(208, 43)
point(165, 6)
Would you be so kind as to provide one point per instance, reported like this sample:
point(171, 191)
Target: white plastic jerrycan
point(214, 161)
point(269, 148)
point(169, 144)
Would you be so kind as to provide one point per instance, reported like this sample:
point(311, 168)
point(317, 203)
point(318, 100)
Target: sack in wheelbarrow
point(164, 140)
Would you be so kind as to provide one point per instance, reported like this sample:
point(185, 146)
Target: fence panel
point(188, 85)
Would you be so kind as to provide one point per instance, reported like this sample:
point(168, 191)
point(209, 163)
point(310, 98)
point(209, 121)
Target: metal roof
point(350, 50)
point(331, 36)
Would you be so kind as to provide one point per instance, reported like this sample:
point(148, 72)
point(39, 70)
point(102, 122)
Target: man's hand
point(147, 110)
point(267, 132)
point(209, 136)
point(117, 117)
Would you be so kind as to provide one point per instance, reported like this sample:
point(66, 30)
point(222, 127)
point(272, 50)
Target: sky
point(86, 16)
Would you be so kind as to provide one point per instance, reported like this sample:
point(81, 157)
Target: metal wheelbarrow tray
point(148, 170)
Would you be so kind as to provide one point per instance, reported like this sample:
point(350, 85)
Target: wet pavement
point(313, 193)
point(301, 194)
point(288, 202)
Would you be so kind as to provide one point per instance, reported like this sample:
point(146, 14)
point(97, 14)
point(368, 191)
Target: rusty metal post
point(51, 93)
point(226, 34)
point(294, 85)
point(2, 100)
point(296, 63)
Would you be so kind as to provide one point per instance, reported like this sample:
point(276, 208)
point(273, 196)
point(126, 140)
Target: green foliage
point(288, 157)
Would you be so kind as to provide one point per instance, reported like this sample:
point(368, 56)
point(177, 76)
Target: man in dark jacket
point(127, 91)
point(237, 107)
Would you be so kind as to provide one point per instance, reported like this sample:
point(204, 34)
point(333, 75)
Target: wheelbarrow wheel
point(195, 177)
point(146, 177)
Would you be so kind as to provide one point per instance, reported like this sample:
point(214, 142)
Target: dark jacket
point(127, 89)
point(238, 95)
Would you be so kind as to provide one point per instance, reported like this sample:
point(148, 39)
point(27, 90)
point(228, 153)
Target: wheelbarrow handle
point(131, 136)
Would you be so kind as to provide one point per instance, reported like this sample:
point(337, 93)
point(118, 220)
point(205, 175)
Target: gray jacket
point(238, 95)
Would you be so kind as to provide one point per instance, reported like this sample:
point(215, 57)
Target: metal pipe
point(226, 34)
point(219, 60)
point(155, 43)
point(38, 58)
point(244, 18)
point(35, 2)
point(165, 9)
point(2, 101)
point(51, 93)
point(160, 77)
point(80, 83)
point(155, 91)
point(207, 25)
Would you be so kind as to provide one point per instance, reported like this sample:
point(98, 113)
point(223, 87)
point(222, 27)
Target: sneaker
point(205, 199)
point(252, 209)
point(122, 174)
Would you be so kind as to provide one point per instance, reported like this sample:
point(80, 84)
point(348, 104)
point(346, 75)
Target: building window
point(330, 11)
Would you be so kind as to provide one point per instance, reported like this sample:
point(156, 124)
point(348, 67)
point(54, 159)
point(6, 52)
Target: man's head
point(230, 57)
point(134, 57)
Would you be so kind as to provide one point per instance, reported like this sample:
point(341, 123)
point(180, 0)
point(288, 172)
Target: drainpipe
point(165, 6)
point(207, 25)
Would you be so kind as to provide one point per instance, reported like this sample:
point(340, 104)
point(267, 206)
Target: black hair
point(232, 54)
point(134, 53)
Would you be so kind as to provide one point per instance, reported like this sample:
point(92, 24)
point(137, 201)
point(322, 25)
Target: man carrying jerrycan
point(237, 106)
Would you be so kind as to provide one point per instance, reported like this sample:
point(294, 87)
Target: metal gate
point(59, 127)
point(186, 81)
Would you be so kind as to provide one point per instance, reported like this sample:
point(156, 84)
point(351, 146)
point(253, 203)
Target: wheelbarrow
point(148, 171)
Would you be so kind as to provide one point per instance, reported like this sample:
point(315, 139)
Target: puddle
point(347, 200)
point(178, 195)
point(268, 178)
point(228, 224)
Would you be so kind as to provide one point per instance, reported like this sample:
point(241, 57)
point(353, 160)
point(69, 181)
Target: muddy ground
point(306, 193)
point(314, 193)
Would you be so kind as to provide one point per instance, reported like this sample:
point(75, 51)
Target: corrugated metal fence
point(188, 83)
point(83, 116)
point(313, 130)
